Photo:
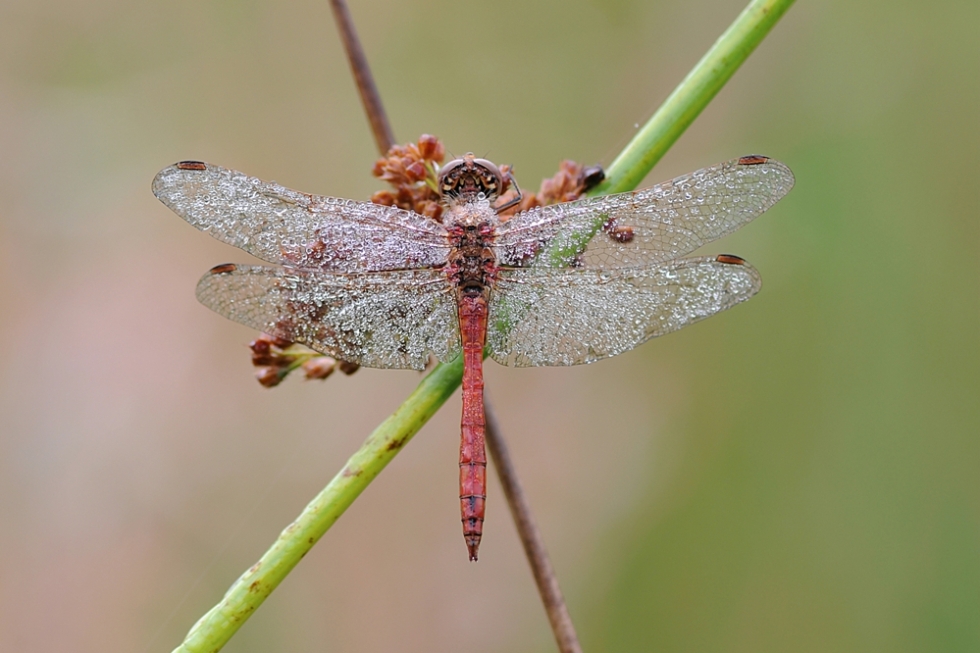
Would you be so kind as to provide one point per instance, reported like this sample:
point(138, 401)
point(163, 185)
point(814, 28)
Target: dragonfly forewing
point(280, 225)
point(649, 226)
point(542, 316)
point(377, 319)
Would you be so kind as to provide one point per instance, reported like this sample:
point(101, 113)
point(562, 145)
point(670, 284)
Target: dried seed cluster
point(275, 358)
point(412, 170)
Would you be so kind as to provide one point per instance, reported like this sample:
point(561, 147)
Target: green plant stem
point(218, 625)
point(691, 96)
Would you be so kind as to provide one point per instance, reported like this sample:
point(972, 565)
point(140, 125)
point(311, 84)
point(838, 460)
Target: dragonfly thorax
point(472, 260)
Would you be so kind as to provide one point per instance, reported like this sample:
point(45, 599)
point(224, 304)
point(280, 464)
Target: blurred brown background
point(797, 474)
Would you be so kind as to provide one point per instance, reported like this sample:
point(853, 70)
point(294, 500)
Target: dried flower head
point(412, 170)
point(274, 358)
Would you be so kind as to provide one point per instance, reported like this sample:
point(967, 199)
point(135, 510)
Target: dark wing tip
point(224, 268)
point(171, 176)
point(729, 259)
point(781, 171)
point(753, 160)
point(191, 165)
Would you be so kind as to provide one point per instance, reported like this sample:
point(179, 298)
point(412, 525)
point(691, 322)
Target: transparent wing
point(542, 316)
point(647, 226)
point(280, 225)
point(377, 319)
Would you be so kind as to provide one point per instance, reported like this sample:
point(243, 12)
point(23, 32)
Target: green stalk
point(247, 593)
point(218, 625)
point(692, 95)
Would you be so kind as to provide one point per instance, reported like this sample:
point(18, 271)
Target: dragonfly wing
point(280, 225)
point(542, 316)
point(648, 226)
point(377, 319)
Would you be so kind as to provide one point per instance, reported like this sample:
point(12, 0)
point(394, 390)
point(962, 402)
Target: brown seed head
point(384, 197)
point(347, 367)
point(319, 368)
point(274, 359)
point(431, 148)
point(268, 377)
point(411, 170)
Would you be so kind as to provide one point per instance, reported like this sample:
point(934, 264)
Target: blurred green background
point(797, 474)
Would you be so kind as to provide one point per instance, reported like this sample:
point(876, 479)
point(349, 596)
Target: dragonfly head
point(467, 178)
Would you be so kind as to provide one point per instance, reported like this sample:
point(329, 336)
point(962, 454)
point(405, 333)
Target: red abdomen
point(472, 450)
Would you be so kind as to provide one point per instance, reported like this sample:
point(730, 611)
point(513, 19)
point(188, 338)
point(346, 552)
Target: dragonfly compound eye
point(468, 177)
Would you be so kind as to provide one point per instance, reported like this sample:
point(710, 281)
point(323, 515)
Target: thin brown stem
point(380, 126)
point(527, 529)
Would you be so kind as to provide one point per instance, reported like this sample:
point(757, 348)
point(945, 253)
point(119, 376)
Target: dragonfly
point(563, 284)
